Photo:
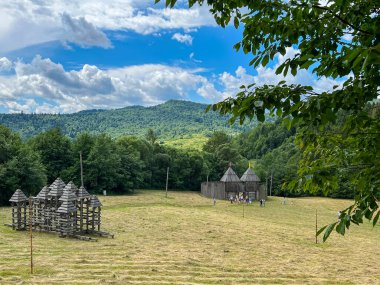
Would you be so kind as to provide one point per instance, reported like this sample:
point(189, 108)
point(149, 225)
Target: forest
point(121, 165)
point(170, 120)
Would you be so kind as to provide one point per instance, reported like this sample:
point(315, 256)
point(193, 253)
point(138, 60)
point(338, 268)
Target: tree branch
point(343, 20)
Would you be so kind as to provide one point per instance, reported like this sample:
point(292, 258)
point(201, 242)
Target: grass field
point(189, 142)
point(183, 239)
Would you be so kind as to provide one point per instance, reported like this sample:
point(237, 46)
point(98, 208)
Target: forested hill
point(169, 120)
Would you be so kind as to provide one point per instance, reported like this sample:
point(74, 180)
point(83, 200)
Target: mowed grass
point(183, 239)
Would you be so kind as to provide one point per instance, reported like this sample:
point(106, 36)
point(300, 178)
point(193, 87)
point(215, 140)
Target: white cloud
point(84, 21)
point(45, 86)
point(183, 38)
point(267, 75)
point(59, 90)
point(83, 33)
point(192, 58)
point(5, 64)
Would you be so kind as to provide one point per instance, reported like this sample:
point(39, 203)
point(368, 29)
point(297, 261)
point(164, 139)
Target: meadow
point(184, 239)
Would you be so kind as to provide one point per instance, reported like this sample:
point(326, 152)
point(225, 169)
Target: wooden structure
point(19, 203)
point(59, 208)
point(251, 185)
point(230, 185)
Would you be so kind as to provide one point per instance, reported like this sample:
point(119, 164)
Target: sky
point(63, 56)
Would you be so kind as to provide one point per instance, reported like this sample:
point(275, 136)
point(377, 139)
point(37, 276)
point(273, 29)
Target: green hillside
point(172, 119)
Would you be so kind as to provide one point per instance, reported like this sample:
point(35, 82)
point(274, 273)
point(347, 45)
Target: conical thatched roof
point(249, 176)
point(18, 196)
point(82, 193)
point(94, 202)
point(71, 187)
point(230, 176)
point(67, 195)
point(56, 188)
point(43, 195)
point(67, 207)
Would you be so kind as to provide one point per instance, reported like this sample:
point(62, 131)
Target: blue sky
point(63, 56)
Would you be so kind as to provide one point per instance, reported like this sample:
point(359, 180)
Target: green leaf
point(236, 22)
point(341, 227)
point(288, 123)
point(328, 231)
point(306, 64)
point(286, 70)
point(237, 46)
point(280, 69)
point(321, 230)
point(294, 71)
point(265, 60)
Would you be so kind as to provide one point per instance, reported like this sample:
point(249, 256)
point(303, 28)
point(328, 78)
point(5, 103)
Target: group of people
point(247, 200)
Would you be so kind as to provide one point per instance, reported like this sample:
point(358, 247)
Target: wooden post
point(81, 168)
point(266, 186)
point(167, 180)
point(31, 232)
point(316, 226)
point(271, 180)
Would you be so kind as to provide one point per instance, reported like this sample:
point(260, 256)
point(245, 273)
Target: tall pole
point(271, 180)
point(167, 179)
point(316, 226)
point(81, 169)
point(266, 186)
point(31, 233)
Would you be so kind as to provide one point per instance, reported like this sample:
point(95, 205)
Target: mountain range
point(171, 120)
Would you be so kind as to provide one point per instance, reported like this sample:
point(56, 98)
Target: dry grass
point(185, 240)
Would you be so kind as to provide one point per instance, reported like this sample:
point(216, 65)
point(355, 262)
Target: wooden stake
point(271, 180)
point(316, 226)
point(167, 180)
point(31, 233)
point(81, 168)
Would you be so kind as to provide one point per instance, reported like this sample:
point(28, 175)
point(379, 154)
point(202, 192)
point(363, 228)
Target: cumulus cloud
point(85, 21)
point(45, 86)
point(66, 91)
point(5, 64)
point(183, 38)
point(83, 33)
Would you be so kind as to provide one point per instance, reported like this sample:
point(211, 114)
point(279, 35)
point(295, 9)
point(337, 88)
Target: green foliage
point(264, 138)
point(103, 164)
point(219, 152)
point(20, 167)
point(281, 163)
point(55, 151)
point(318, 31)
point(171, 120)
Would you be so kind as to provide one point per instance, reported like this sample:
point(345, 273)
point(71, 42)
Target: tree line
point(127, 163)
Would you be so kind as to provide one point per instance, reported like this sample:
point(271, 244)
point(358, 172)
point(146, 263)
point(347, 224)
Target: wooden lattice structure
point(19, 203)
point(59, 208)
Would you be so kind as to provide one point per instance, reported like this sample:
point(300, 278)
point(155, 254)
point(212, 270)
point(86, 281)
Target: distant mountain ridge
point(172, 119)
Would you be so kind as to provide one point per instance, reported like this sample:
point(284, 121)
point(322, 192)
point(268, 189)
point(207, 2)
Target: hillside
point(173, 119)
